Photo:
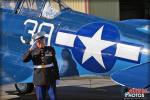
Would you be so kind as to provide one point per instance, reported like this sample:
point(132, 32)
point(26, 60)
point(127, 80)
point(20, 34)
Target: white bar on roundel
point(65, 39)
point(128, 52)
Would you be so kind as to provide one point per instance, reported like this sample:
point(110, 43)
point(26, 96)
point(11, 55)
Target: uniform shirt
point(43, 56)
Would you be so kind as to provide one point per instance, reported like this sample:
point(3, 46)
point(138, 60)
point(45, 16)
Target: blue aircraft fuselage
point(85, 45)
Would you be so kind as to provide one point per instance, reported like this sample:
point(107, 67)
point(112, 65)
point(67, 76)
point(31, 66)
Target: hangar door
point(134, 9)
point(108, 9)
point(78, 5)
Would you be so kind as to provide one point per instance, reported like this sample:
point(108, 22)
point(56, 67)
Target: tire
point(24, 88)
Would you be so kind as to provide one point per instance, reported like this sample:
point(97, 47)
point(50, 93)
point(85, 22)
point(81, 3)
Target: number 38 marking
point(32, 31)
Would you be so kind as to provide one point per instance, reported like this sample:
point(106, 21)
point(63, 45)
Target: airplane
point(86, 45)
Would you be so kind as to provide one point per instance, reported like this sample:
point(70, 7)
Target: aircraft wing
point(134, 77)
point(142, 25)
point(13, 70)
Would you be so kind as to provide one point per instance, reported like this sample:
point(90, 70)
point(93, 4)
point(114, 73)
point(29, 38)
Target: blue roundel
point(103, 60)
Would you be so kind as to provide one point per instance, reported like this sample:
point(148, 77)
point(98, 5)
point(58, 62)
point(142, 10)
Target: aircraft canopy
point(38, 8)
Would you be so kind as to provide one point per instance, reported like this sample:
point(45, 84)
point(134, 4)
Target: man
point(45, 67)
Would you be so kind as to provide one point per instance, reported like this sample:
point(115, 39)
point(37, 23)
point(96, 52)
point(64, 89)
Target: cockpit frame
point(24, 7)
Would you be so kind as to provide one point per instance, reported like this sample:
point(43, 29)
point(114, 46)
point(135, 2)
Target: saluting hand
point(33, 46)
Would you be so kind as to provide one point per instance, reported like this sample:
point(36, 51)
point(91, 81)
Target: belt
point(44, 66)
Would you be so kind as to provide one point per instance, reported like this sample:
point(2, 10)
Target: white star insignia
point(94, 46)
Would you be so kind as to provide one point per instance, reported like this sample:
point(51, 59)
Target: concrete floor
point(85, 89)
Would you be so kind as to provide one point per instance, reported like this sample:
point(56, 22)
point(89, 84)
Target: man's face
point(40, 43)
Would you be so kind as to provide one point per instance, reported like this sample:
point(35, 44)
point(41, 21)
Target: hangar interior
point(113, 9)
point(109, 9)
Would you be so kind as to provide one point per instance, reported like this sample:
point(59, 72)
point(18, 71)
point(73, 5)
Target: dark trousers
point(42, 90)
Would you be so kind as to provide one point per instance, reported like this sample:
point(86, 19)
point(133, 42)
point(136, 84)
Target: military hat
point(38, 35)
